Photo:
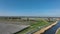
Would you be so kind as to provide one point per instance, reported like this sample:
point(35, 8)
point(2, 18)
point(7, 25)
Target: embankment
point(57, 32)
point(45, 28)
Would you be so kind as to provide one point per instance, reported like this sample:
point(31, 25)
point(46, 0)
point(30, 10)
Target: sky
point(30, 8)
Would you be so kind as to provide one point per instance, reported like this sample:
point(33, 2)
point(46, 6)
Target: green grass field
point(34, 26)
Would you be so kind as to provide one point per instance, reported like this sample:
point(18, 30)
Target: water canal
point(53, 29)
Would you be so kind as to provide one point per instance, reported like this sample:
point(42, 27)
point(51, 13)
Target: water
point(53, 29)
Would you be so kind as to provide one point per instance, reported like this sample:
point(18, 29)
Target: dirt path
point(44, 29)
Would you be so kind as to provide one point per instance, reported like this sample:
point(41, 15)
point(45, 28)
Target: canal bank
point(58, 31)
point(53, 29)
point(46, 28)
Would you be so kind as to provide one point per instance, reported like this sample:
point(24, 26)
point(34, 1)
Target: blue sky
point(29, 7)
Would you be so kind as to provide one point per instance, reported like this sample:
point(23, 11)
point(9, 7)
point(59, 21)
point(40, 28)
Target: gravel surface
point(10, 28)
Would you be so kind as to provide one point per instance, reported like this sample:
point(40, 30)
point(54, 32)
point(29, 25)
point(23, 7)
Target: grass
point(34, 26)
point(58, 32)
